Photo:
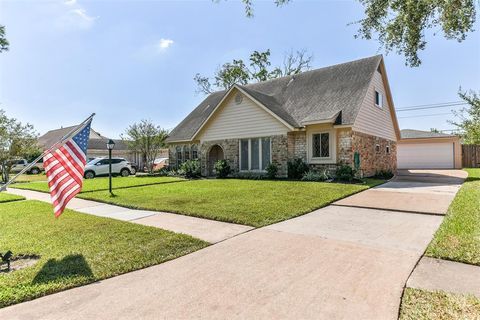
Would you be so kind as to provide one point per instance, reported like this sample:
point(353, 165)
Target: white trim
point(323, 121)
point(332, 159)
point(260, 154)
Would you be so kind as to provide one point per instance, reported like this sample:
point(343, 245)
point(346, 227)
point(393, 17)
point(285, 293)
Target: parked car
point(134, 167)
point(160, 163)
point(99, 167)
point(18, 165)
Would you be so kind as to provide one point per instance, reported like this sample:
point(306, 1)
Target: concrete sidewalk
point(207, 230)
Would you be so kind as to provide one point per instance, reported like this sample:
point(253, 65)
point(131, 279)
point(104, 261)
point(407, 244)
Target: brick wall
point(297, 145)
point(373, 153)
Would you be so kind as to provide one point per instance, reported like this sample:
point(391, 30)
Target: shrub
point(345, 173)
point(321, 175)
point(272, 170)
point(384, 174)
point(297, 168)
point(250, 175)
point(222, 168)
point(191, 169)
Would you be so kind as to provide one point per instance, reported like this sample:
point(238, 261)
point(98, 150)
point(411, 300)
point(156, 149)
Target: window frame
point(331, 146)
point(380, 99)
point(249, 156)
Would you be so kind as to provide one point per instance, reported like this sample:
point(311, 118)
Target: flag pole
point(53, 147)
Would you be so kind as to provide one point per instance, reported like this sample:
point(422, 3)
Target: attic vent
point(291, 80)
point(238, 98)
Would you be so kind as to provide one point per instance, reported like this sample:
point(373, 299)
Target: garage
point(428, 150)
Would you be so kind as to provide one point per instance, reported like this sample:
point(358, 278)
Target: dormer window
point(378, 99)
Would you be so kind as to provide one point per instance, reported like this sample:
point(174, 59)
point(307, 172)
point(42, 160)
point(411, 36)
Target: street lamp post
point(110, 146)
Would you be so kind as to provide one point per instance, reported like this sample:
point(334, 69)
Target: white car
point(99, 167)
point(19, 165)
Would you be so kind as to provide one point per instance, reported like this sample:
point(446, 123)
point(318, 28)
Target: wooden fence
point(471, 155)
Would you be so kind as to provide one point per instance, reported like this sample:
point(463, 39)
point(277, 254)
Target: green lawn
point(98, 184)
point(252, 202)
point(31, 177)
point(7, 197)
point(426, 305)
point(458, 238)
point(77, 249)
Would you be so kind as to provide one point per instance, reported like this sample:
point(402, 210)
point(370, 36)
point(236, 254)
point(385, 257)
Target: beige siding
point(243, 120)
point(371, 119)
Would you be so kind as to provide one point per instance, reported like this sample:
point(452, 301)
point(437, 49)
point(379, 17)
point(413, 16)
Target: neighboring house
point(429, 150)
point(323, 116)
point(97, 145)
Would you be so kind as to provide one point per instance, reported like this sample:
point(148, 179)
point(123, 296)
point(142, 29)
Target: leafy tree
point(259, 69)
point(469, 117)
point(3, 40)
point(434, 130)
point(147, 139)
point(400, 25)
point(17, 140)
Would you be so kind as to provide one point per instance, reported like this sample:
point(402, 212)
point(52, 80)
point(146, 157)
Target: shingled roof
point(418, 134)
point(331, 92)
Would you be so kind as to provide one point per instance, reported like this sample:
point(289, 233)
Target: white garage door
point(425, 156)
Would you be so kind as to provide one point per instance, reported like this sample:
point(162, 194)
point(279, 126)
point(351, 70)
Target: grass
point(458, 238)
point(77, 249)
point(31, 177)
point(7, 197)
point(251, 202)
point(99, 184)
point(420, 304)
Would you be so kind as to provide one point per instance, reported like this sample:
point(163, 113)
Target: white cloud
point(164, 44)
point(70, 2)
point(82, 13)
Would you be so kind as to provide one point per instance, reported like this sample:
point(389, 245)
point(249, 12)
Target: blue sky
point(128, 60)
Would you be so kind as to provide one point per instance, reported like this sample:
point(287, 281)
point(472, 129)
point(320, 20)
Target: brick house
point(325, 116)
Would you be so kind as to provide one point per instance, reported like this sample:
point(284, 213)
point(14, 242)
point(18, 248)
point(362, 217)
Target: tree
point(401, 25)
point(3, 40)
point(147, 139)
point(258, 69)
point(434, 130)
point(16, 141)
point(469, 117)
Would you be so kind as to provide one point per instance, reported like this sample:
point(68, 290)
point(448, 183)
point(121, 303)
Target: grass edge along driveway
point(250, 202)
point(77, 249)
point(458, 238)
point(7, 197)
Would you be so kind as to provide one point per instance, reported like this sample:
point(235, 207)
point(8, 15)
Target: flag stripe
point(65, 167)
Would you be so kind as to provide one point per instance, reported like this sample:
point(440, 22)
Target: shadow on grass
point(135, 186)
point(70, 266)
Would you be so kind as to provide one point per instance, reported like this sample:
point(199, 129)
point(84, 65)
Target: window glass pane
point(325, 139)
point(244, 155)
point(255, 159)
point(316, 145)
point(377, 98)
point(265, 152)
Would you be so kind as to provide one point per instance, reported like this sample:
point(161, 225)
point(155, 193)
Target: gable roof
point(335, 92)
point(418, 134)
point(95, 141)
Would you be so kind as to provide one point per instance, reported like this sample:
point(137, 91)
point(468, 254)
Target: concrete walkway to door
point(338, 262)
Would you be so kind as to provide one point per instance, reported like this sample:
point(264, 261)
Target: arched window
point(179, 156)
point(186, 152)
point(194, 152)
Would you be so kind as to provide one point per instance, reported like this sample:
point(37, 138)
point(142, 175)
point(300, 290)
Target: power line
point(426, 115)
point(431, 107)
point(432, 104)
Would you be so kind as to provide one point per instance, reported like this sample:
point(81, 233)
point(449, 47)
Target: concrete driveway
point(417, 191)
point(338, 262)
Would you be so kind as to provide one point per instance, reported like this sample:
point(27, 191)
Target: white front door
point(425, 155)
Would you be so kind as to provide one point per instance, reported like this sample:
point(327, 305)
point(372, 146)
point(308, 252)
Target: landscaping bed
point(458, 238)
point(251, 202)
point(77, 249)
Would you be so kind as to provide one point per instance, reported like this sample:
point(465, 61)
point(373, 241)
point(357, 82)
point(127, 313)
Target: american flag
point(64, 168)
